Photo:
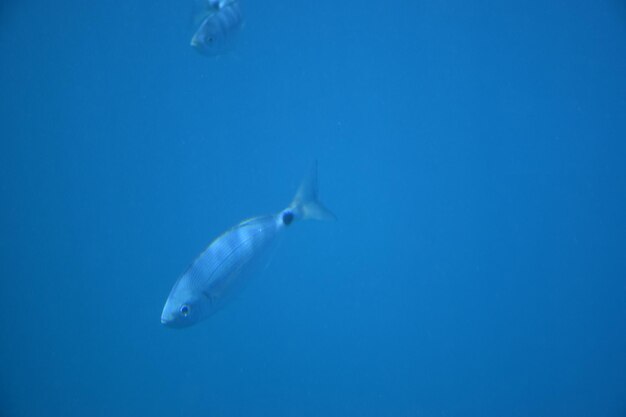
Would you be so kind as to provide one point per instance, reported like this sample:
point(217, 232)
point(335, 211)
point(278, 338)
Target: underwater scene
point(313, 209)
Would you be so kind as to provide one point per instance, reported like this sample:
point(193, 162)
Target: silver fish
point(219, 28)
point(232, 259)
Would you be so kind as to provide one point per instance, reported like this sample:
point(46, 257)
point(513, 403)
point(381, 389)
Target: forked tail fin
point(306, 204)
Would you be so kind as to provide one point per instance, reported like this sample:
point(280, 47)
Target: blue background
point(474, 152)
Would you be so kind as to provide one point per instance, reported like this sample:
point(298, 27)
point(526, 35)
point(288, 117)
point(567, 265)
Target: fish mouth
point(169, 323)
point(196, 41)
point(173, 324)
point(166, 317)
point(169, 320)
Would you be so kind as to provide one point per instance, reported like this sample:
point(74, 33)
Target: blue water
point(474, 153)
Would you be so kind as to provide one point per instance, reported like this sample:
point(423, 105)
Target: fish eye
point(184, 310)
point(287, 218)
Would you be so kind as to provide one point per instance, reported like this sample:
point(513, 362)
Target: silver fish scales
point(226, 266)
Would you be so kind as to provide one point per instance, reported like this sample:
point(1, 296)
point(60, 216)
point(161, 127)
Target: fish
point(221, 21)
point(226, 266)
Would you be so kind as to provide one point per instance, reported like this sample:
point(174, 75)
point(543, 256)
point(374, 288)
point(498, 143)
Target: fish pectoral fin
point(208, 296)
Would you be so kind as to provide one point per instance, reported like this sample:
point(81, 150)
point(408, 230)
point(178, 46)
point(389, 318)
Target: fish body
point(219, 28)
point(226, 266)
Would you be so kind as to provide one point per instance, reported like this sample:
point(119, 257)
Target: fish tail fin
point(306, 203)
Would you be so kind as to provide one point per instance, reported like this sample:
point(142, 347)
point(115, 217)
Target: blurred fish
point(230, 260)
point(221, 20)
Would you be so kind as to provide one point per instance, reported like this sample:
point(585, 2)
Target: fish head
point(207, 43)
point(217, 33)
point(183, 308)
